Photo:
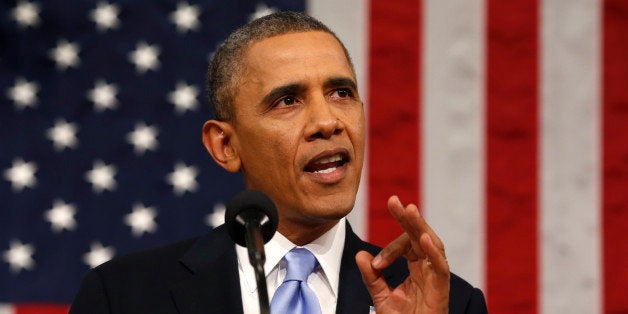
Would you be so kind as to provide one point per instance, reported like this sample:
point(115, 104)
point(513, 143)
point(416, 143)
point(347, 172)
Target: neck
point(302, 235)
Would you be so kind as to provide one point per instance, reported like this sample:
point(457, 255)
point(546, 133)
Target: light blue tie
point(294, 295)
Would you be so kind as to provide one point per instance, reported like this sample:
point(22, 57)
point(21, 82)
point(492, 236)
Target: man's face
point(299, 128)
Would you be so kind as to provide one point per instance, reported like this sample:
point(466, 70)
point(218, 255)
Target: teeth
point(328, 170)
point(333, 158)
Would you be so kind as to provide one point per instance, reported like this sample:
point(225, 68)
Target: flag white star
point(61, 216)
point(19, 256)
point(26, 13)
point(65, 55)
point(98, 254)
point(141, 220)
point(145, 57)
point(261, 10)
point(143, 138)
point(21, 174)
point(23, 93)
point(101, 177)
point(103, 95)
point(184, 97)
point(183, 179)
point(63, 135)
point(105, 16)
point(185, 17)
point(217, 216)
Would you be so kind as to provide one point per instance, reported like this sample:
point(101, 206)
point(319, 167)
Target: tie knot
point(301, 263)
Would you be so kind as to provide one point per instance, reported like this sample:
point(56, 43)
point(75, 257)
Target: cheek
point(357, 130)
point(270, 146)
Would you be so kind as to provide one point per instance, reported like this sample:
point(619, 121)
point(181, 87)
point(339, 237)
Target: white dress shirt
point(324, 280)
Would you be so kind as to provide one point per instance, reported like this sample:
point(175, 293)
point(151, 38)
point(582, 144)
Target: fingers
point(395, 249)
point(413, 224)
point(418, 242)
point(427, 286)
point(373, 279)
point(434, 256)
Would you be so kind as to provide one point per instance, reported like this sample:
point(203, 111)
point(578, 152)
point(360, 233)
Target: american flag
point(506, 121)
point(103, 104)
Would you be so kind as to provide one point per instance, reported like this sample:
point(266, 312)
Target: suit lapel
point(352, 294)
point(214, 285)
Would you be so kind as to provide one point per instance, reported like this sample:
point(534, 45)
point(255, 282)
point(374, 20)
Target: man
point(290, 119)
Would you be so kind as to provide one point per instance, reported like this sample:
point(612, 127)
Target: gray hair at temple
point(227, 65)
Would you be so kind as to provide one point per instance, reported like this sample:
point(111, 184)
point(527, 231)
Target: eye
point(342, 93)
point(285, 101)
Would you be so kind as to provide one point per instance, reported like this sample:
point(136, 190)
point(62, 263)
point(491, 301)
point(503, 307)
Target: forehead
point(303, 52)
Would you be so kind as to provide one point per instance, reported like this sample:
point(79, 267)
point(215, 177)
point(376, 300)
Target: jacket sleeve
point(92, 297)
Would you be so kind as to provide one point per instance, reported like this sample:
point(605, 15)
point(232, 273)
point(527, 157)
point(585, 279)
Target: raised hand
point(426, 290)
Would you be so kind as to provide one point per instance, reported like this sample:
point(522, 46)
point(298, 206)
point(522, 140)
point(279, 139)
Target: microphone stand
point(255, 247)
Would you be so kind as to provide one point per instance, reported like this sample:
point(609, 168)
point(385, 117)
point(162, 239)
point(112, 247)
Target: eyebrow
point(341, 81)
point(296, 88)
point(282, 90)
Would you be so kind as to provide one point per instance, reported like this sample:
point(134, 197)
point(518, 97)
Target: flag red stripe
point(41, 309)
point(511, 165)
point(393, 111)
point(615, 159)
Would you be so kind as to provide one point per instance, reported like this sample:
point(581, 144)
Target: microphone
point(251, 220)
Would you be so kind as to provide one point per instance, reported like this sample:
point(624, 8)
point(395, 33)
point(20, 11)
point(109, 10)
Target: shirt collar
point(327, 249)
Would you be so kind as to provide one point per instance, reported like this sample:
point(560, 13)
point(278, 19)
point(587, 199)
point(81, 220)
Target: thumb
point(375, 283)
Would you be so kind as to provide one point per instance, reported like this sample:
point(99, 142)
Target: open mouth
point(327, 164)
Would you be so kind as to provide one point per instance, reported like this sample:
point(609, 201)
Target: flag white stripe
point(453, 131)
point(6, 309)
point(570, 267)
point(349, 20)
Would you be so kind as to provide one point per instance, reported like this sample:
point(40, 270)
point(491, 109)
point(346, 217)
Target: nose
point(323, 122)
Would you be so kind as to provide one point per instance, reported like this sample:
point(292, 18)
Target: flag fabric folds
point(504, 121)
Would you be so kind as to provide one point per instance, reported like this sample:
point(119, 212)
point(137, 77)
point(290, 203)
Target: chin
point(334, 208)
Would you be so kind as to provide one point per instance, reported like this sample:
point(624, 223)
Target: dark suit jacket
point(201, 276)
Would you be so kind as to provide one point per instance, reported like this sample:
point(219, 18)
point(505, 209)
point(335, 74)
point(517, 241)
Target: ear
point(218, 137)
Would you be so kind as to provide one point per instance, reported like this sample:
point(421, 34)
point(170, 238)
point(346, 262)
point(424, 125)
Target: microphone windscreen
point(250, 204)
